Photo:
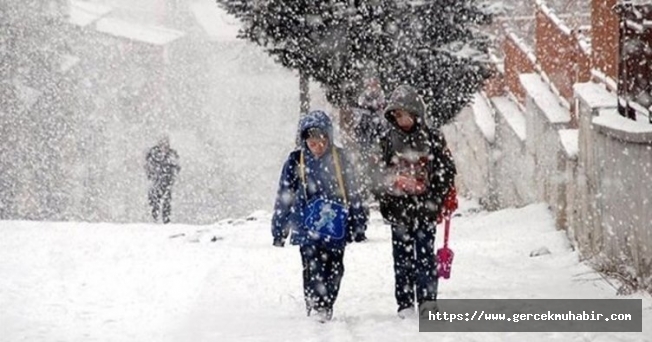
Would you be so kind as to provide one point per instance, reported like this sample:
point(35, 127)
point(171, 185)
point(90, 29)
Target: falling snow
point(88, 87)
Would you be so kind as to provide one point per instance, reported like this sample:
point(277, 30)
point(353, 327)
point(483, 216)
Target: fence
point(635, 64)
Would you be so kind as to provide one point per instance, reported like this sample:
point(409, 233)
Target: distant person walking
point(162, 167)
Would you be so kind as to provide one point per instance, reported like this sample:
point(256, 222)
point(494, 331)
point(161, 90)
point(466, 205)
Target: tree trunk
point(304, 93)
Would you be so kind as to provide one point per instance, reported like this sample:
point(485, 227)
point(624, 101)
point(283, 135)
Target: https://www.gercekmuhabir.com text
point(518, 317)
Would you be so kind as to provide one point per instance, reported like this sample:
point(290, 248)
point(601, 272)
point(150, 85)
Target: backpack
point(410, 171)
point(325, 219)
point(412, 176)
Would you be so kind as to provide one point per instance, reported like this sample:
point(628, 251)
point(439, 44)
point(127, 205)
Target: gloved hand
point(449, 205)
point(409, 185)
point(278, 242)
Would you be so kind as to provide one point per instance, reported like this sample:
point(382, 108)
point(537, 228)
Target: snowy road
point(102, 282)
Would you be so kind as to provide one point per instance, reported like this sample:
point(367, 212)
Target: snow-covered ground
point(225, 282)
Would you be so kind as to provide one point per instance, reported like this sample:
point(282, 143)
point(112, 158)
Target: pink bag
point(445, 255)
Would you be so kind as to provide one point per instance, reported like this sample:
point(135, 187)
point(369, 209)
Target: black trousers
point(159, 199)
point(323, 269)
point(413, 249)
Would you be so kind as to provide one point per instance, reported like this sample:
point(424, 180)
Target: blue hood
point(321, 182)
point(316, 119)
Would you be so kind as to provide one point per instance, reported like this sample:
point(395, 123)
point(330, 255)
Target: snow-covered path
point(102, 282)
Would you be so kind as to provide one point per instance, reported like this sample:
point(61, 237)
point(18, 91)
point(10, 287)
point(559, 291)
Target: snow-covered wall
point(473, 156)
point(488, 141)
point(595, 178)
point(587, 223)
point(545, 119)
point(514, 166)
point(530, 157)
point(623, 169)
point(616, 155)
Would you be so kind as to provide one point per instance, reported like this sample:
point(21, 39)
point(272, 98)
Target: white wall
point(622, 165)
point(514, 166)
point(595, 178)
point(473, 156)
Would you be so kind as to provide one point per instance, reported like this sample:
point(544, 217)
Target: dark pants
point(159, 199)
point(323, 269)
point(414, 263)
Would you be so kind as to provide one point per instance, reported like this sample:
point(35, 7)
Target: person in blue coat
point(317, 178)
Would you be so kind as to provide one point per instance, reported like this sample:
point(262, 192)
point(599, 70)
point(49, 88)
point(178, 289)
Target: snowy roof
point(595, 95)
point(569, 141)
point(83, 13)
point(218, 25)
point(484, 117)
point(612, 123)
point(543, 97)
point(147, 34)
point(512, 114)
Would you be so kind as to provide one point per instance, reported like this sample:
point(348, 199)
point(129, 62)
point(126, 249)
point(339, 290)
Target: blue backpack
point(326, 219)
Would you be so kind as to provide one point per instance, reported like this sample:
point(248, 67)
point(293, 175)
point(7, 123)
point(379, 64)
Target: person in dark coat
point(162, 167)
point(418, 189)
point(318, 170)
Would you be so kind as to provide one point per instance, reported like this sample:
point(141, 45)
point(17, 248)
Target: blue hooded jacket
point(321, 181)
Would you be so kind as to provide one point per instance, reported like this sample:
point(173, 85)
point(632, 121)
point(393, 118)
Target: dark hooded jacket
point(422, 142)
point(321, 181)
point(162, 165)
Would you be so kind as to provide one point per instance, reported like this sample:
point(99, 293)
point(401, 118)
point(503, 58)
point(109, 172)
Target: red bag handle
point(447, 227)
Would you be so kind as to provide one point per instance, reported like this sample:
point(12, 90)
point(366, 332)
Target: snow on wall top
point(550, 13)
point(569, 141)
point(148, 34)
point(83, 13)
point(595, 95)
point(610, 122)
point(543, 97)
point(484, 117)
point(512, 114)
